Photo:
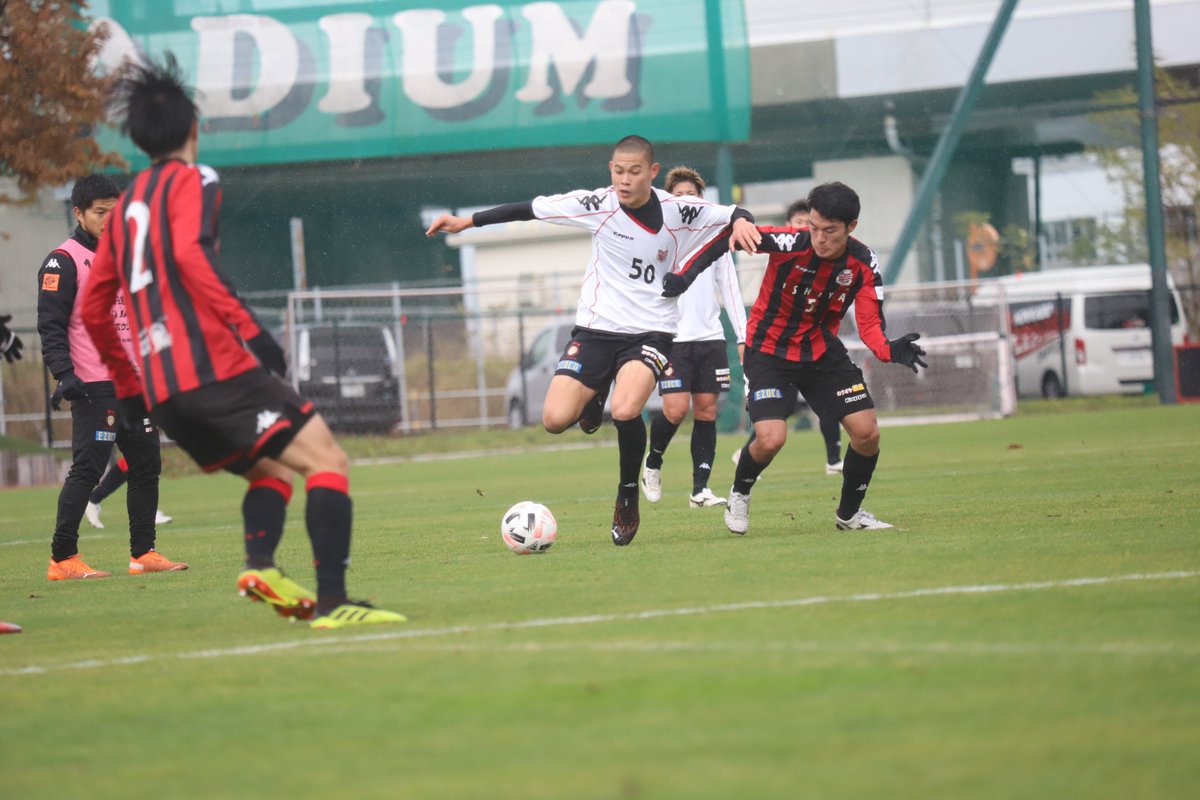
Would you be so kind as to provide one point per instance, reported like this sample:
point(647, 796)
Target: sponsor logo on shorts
point(768, 394)
point(674, 383)
point(654, 357)
point(722, 371)
point(858, 387)
point(854, 398)
point(845, 278)
point(106, 436)
point(574, 366)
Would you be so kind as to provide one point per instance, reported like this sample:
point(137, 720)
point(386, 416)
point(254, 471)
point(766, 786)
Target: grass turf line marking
point(632, 616)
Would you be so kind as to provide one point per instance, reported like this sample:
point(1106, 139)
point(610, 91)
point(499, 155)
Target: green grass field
point(1032, 629)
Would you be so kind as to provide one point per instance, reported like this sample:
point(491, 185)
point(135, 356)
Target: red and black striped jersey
point(803, 298)
point(159, 247)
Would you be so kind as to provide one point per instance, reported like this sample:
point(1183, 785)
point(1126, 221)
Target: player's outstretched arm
point(448, 223)
point(744, 235)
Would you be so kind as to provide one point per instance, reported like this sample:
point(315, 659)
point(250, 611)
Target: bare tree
point(52, 99)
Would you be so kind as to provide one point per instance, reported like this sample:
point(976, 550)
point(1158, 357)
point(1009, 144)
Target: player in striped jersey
point(197, 381)
point(624, 324)
point(812, 278)
point(699, 368)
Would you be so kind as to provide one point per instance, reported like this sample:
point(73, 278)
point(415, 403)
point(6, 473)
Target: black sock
point(631, 440)
point(111, 481)
point(747, 472)
point(704, 450)
point(328, 516)
point(662, 430)
point(264, 510)
point(141, 496)
point(832, 433)
point(856, 476)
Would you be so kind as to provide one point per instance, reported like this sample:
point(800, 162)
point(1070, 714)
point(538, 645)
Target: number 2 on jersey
point(139, 212)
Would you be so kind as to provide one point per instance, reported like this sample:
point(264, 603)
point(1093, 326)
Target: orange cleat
point(9, 627)
point(153, 561)
point(73, 569)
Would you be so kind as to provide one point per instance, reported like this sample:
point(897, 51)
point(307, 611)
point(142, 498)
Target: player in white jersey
point(699, 368)
point(624, 326)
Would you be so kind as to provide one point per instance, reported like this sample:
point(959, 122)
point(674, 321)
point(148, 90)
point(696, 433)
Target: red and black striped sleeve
point(192, 219)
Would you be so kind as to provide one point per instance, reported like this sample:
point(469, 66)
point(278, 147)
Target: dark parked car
point(349, 371)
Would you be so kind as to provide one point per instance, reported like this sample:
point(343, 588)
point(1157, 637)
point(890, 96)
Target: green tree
point(1178, 94)
point(52, 99)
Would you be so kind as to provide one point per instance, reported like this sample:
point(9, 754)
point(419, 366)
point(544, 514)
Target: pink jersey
point(84, 355)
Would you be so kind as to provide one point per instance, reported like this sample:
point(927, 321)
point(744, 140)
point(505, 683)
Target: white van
point(1084, 330)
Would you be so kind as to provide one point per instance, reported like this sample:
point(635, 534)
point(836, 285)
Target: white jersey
point(622, 288)
point(699, 313)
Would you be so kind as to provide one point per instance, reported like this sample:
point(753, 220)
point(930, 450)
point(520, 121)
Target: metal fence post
point(1062, 340)
point(521, 368)
point(429, 358)
point(401, 359)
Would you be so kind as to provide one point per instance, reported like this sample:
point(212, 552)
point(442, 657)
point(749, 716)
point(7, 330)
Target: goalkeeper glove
point(10, 343)
point(69, 388)
point(674, 285)
point(906, 353)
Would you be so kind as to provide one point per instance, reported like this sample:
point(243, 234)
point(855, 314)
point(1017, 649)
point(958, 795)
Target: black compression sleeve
point(741, 213)
point(512, 212)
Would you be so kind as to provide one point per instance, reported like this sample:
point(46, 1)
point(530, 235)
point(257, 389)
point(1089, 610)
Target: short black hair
point(835, 200)
point(92, 188)
point(799, 207)
point(154, 105)
point(634, 143)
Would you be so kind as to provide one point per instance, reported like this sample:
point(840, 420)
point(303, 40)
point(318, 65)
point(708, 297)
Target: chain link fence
point(409, 360)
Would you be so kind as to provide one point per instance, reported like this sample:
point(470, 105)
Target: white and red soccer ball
point(528, 527)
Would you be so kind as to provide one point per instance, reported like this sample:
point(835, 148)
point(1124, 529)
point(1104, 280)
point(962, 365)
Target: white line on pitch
point(633, 616)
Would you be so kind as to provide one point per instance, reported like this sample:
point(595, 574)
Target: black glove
point(69, 388)
point(132, 413)
point(10, 343)
point(906, 353)
point(674, 285)
point(269, 353)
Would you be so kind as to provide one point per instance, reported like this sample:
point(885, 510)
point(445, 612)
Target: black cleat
point(593, 413)
point(625, 520)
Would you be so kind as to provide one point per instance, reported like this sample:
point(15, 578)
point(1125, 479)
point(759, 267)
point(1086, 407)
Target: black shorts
point(233, 423)
point(593, 357)
point(833, 386)
point(697, 368)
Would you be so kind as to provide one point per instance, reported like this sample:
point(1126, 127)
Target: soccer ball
point(528, 527)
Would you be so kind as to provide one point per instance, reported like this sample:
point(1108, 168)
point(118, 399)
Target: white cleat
point(162, 519)
point(834, 469)
point(862, 520)
point(651, 483)
point(92, 512)
point(737, 513)
point(705, 499)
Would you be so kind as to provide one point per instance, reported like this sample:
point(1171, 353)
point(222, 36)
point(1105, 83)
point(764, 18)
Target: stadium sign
point(286, 80)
